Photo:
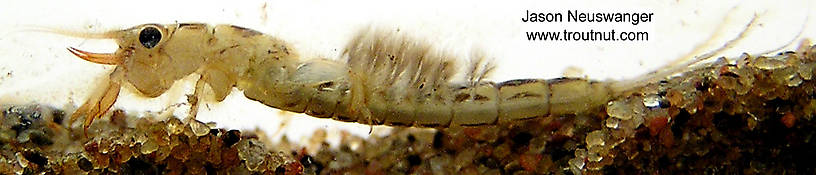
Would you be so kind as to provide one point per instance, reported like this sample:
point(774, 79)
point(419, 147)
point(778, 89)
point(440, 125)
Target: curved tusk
point(99, 58)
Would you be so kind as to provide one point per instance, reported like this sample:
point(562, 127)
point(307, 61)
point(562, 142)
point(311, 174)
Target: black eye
point(149, 37)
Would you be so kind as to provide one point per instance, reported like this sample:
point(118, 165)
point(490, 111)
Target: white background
point(36, 68)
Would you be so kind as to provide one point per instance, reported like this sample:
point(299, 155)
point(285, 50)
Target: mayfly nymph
point(385, 79)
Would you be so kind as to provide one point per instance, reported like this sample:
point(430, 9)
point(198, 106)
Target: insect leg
point(97, 105)
point(194, 99)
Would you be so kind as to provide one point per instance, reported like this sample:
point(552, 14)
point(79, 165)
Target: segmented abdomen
point(483, 104)
point(396, 80)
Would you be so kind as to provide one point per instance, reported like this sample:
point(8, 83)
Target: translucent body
point(386, 78)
